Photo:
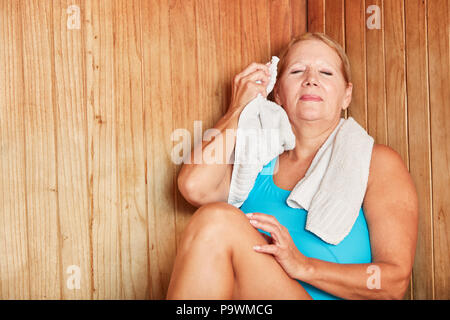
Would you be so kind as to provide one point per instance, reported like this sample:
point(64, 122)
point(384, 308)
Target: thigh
point(257, 275)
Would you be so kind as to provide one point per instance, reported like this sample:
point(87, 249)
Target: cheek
point(334, 93)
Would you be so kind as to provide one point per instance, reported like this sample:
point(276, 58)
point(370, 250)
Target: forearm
point(207, 162)
point(356, 281)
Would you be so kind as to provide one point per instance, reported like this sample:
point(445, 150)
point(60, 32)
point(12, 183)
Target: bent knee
point(212, 219)
point(216, 213)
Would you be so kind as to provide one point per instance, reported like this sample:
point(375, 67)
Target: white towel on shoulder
point(333, 188)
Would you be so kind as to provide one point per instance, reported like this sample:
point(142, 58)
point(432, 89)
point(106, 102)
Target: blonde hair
point(345, 64)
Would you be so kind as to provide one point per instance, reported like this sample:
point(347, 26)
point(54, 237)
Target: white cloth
point(264, 131)
point(333, 188)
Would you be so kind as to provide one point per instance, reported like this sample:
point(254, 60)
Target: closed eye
point(324, 72)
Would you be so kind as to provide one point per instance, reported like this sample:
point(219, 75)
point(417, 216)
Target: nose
point(310, 79)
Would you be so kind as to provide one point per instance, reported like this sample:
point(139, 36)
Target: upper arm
point(215, 195)
point(391, 209)
point(223, 189)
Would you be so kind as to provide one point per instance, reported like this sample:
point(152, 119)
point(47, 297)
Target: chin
point(308, 114)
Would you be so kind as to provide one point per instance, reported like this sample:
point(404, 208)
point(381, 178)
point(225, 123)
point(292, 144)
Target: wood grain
point(376, 77)
point(355, 48)
point(131, 149)
point(71, 151)
point(255, 24)
point(159, 109)
point(280, 25)
point(41, 166)
point(103, 152)
point(334, 20)
point(185, 92)
point(299, 17)
point(14, 257)
point(439, 82)
point(316, 16)
point(231, 47)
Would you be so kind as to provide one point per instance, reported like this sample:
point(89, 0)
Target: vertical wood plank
point(14, 262)
point(71, 150)
point(255, 17)
point(280, 25)
point(375, 66)
point(419, 142)
point(209, 61)
point(355, 47)
point(230, 33)
point(395, 77)
point(316, 16)
point(299, 12)
point(44, 234)
point(158, 109)
point(438, 53)
point(102, 162)
point(334, 20)
point(185, 94)
point(131, 161)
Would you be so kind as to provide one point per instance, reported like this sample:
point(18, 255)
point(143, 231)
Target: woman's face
point(312, 86)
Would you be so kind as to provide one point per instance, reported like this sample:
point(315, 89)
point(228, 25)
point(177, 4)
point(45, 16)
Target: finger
point(263, 217)
point(274, 230)
point(255, 76)
point(252, 68)
point(269, 248)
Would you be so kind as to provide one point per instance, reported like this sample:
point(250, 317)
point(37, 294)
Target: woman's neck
point(309, 138)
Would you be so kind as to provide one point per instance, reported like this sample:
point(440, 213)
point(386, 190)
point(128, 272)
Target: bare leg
point(202, 268)
point(216, 260)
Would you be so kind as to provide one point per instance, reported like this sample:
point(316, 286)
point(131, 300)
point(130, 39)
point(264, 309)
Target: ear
point(348, 95)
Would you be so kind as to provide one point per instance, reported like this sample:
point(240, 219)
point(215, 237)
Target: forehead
point(313, 51)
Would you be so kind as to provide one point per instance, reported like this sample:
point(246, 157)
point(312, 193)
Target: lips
point(310, 97)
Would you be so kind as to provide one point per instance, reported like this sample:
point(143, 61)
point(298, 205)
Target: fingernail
point(253, 222)
point(249, 215)
point(256, 247)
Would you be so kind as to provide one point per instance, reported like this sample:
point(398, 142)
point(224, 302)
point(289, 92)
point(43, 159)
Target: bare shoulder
point(389, 180)
point(383, 163)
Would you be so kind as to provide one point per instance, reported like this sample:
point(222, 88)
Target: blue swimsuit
point(268, 198)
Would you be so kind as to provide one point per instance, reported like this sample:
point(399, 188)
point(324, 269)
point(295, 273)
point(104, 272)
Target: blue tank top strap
point(267, 170)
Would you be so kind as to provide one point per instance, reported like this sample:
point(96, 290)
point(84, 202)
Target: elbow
point(188, 190)
point(399, 285)
point(402, 286)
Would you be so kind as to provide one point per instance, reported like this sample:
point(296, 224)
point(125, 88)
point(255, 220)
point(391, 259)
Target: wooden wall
point(87, 118)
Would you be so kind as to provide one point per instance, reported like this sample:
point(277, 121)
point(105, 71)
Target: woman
point(216, 258)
